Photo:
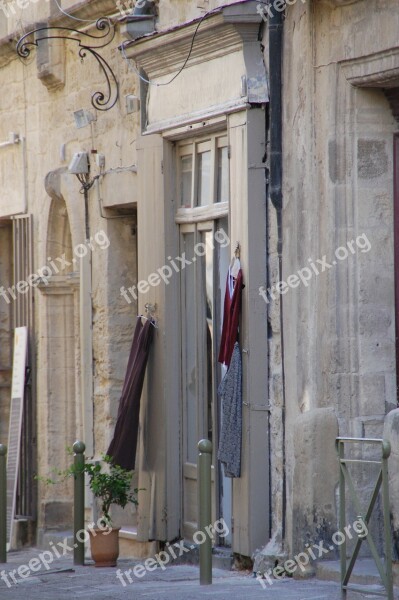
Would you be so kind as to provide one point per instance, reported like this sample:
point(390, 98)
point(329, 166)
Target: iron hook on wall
point(100, 100)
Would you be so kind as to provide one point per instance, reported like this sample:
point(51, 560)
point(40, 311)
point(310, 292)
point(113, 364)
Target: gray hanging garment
point(230, 390)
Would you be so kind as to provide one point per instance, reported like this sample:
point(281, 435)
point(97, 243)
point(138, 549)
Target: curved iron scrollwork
point(100, 100)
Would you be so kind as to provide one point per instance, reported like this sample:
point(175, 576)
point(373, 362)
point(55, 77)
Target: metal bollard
point(205, 516)
point(3, 503)
point(79, 504)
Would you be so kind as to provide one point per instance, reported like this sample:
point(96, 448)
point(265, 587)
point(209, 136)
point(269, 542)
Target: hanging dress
point(231, 315)
point(230, 388)
point(123, 446)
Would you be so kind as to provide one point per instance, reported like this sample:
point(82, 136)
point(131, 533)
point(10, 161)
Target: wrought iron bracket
point(88, 44)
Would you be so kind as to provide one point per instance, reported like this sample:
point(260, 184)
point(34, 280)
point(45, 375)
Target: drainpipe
point(86, 337)
point(275, 184)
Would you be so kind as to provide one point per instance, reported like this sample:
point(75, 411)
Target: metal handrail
point(381, 483)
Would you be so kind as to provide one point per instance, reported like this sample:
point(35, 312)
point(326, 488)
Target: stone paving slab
point(176, 582)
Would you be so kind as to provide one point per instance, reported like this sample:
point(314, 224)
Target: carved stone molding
point(377, 70)
point(59, 284)
point(50, 63)
point(227, 42)
point(223, 33)
point(338, 3)
point(52, 183)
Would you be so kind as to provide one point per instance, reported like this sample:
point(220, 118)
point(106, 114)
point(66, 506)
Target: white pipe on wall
point(12, 140)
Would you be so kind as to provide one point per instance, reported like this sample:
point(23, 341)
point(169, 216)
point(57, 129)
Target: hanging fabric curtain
point(230, 388)
point(123, 446)
point(231, 312)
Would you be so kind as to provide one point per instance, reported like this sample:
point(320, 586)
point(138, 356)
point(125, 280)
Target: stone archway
point(58, 368)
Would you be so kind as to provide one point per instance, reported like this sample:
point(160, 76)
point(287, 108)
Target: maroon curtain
point(123, 446)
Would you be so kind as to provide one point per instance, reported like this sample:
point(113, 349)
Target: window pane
point(189, 354)
point(204, 178)
point(186, 170)
point(223, 175)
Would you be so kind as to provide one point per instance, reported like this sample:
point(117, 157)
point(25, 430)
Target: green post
point(79, 504)
point(3, 504)
point(386, 451)
point(342, 515)
point(205, 516)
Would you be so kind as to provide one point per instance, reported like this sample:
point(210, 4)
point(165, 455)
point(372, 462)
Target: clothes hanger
point(235, 264)
point(150, 309)
point(151, 319)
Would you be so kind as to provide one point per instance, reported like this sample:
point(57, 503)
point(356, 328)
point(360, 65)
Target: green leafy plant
point(110, 483)
point(111, 486)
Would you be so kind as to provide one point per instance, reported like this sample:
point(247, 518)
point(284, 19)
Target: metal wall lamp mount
point(88, 44)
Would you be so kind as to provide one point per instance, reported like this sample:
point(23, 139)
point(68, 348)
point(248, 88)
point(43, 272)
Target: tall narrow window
point(222, 175)
point(186, 176)
point(204, 178)
point(202, 213)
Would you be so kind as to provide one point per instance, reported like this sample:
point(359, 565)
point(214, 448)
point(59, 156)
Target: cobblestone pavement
point(177, 582)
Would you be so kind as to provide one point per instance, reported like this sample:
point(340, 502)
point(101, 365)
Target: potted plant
point(110, 484)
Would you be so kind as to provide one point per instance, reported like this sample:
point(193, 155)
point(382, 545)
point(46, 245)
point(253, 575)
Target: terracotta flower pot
point(104, 546)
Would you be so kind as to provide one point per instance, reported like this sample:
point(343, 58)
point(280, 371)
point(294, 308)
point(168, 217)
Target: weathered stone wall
point(339, 327)
point(40, 109)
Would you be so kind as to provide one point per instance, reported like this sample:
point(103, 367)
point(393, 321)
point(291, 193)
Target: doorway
point(202, 299)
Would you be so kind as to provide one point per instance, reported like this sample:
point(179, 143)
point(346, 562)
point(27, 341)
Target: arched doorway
point(58, 367)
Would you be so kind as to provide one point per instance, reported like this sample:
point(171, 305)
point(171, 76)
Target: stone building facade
point(187, 153)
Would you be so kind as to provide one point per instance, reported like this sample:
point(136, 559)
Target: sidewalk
point(176, 582)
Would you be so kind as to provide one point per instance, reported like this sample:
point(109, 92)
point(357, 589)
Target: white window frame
point(193, 146)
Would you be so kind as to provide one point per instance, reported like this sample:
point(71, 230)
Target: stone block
point(314, 517)
point(375, 208)
point(57, 515)
point(391, 434)
point(372, 159)
point(372, 394)
point(375, 321)
point(376, 286)
point(376, 353)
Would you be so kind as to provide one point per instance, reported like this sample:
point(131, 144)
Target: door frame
point(396, 250)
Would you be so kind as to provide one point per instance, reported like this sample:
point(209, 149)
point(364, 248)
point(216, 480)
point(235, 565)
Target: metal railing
point(381, 483)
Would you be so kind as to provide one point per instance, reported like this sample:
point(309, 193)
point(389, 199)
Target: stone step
point(52, 538)
point(131, 547)
point(365, 572)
